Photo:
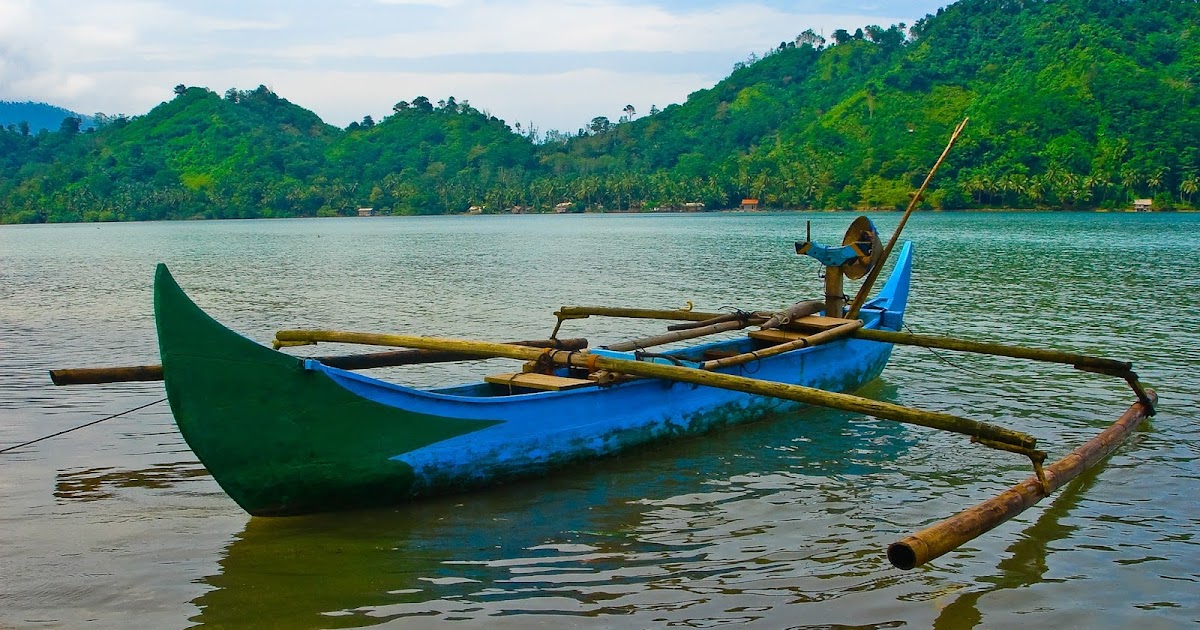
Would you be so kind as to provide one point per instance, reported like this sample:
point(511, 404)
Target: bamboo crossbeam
point(1107, 366)
point(798, 393)
point(392, 358)
point(793, 312)
point(583, 312)
point(825, 336)
point(676, 335)
point(948, 535)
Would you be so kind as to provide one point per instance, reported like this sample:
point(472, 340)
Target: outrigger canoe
point(287, 435)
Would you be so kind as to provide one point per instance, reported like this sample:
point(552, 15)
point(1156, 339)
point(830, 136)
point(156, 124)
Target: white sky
point(556, 63)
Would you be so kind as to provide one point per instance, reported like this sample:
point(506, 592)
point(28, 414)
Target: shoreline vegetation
point(1095, 114)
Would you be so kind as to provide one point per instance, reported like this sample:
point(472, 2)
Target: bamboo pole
point(392, 358)
point(865, 289)
point(677, 335)
point(1107, 366)
point(948, 535)
point(798, 393)
point(825, 336)
point(583, 312)
point(96, 376)
point(720, 319)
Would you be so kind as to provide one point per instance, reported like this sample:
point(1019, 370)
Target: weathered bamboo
point(392, 358)
point(948, 535)
point(583, 312)
point(677, 335)
point(793, 312)
point(865, 288)
point(1107, 366)
point(798, 393)
point(396, 358)
point(720, 319)
point(825, 336)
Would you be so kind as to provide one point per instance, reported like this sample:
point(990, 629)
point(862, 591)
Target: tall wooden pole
point(865, 289)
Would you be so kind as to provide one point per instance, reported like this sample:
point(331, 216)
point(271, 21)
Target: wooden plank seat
point(815, 322)
point(533, 380)
point(775, 336)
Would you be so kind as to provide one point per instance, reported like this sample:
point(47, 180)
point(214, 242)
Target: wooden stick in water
point(948, 535)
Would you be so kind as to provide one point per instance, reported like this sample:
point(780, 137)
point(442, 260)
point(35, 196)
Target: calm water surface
point(782, 523)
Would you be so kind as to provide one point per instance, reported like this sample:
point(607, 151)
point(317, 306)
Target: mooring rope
point(47, 437)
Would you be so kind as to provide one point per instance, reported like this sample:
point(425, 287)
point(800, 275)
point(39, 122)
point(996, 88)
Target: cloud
point(558, 63)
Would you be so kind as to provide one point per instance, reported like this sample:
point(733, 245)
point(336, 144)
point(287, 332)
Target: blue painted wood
point(541, 430)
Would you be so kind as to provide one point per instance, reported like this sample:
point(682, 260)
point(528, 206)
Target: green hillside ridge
point(1075, 104)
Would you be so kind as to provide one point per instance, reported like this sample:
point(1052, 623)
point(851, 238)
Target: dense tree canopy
point(1074, 104)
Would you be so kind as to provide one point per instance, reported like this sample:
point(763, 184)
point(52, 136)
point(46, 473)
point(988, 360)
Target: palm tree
point(1130, 178)
point(1189, 186)
point(1155, 180)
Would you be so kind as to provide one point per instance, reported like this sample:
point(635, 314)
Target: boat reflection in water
point(613, 537)
point(92, 484)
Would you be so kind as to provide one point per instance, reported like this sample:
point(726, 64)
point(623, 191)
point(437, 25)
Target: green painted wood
point(280, 439)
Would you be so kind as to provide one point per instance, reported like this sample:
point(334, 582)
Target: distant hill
point(38, 115)
point(1074, 104)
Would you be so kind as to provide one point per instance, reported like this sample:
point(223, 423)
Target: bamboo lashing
point(797, 393)
point(948, 535)
point(391, 358)
point(865, 289)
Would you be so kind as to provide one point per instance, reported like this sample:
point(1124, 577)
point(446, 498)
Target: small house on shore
point(366, 212)
point(1142, 205)
point(749, 204)
point(475, 210)
point(563, 208)
point(693, 206)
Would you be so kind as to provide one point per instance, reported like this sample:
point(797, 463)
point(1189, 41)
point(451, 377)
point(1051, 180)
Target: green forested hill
point(1074, 104)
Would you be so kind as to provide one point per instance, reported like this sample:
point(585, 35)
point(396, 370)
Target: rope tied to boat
point(544, 364)
point(82, 426)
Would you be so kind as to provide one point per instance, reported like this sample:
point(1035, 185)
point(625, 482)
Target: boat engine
point(859, 252)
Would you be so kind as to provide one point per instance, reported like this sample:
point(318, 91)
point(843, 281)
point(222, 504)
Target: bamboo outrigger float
point(287, 435)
